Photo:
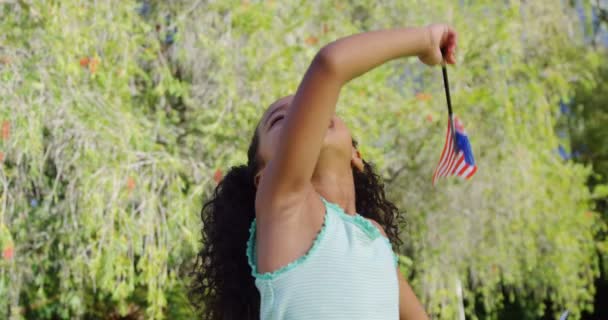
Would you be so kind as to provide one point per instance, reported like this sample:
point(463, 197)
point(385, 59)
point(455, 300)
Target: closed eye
point(275, 120)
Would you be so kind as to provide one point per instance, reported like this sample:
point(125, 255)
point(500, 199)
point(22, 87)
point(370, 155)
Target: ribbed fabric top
point(348, 273)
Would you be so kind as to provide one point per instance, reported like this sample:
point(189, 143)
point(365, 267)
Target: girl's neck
point(336, 184)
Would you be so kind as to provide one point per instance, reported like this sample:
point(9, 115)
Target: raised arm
point(289, 173)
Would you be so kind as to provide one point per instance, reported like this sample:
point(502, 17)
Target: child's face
point(338, 138)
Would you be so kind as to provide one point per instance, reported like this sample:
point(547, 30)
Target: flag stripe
point(462, 168)
point(448, 154)
point(472, 172)
point(445, 162)
point(458, 167)
point(466, 172)
point(451, 164)
point(443, 155)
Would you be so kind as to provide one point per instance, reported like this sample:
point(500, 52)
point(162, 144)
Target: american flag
point(457, 156)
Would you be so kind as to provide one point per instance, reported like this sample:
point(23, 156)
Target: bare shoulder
point(286, 229)
point(380, 228)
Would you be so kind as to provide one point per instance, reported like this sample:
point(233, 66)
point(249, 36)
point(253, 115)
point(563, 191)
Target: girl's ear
point(256, 179)
point(356, 160)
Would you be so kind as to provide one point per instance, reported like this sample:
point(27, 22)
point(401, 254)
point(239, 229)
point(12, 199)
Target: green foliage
point(115, 134)
point(588, 123)
point(587, 132)
point(110, 212)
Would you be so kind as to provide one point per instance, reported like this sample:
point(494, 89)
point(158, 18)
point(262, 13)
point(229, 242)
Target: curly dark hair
point(222, 286)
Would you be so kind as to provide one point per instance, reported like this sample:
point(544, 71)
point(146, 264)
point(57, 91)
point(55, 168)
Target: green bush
point(118, 114)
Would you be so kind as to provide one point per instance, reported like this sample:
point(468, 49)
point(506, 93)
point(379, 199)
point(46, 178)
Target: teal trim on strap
point(364, 224)
point(251, 256)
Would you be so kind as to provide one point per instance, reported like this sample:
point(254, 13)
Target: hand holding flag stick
point(457, 157)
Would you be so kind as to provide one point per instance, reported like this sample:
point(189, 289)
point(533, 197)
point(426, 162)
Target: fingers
point(449, 45)
point(453, 44)
point(443, 39)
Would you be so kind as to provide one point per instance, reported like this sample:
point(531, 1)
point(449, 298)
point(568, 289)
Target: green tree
point(120, 113)
point(586, 124)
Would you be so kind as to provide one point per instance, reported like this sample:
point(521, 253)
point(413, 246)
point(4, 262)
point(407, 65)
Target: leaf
point(600, 191)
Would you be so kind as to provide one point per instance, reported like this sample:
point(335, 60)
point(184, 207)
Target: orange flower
point(130, 183)
point(93, 65)
point(311, 40)
point(429, 117)
point(8, 252)
point(422, 96)
point(218, 176)
point(1, 156)
point(589, 214)
point(6, 129)
point(84, 62)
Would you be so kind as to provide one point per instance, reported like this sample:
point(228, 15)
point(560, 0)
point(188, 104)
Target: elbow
point(327, 62)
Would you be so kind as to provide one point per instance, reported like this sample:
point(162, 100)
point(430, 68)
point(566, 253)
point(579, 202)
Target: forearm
point(352, 56)
point(410, 307)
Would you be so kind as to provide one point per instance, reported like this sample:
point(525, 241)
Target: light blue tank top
point(348, 273)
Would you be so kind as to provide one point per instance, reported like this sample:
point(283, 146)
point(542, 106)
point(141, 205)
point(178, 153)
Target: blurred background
point(119, 117)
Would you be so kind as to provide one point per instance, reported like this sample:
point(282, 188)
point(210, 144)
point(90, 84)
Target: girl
point(303, 230)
